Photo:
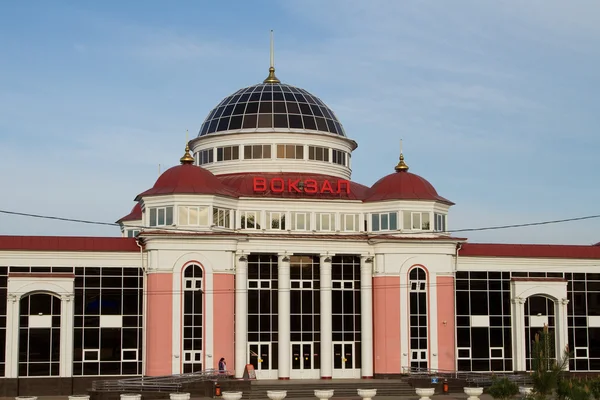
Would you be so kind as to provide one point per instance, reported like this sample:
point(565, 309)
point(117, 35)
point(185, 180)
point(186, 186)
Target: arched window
point(39, 335)
point(418, 318)
point(539, 311)
point(193, 318)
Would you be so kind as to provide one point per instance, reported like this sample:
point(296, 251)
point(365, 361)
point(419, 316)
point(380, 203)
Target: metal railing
point(480, 379)
point(171, 383)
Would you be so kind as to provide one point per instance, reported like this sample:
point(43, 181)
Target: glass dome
point(271, 106)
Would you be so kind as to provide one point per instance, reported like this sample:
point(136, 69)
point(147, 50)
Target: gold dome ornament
point(272, 78)
point(187, 157)
point(401, 167)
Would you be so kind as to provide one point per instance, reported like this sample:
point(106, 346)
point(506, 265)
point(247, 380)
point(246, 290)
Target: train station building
point(260, 249)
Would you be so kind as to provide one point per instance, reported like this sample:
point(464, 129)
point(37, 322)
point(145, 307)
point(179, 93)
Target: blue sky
point(497, 102)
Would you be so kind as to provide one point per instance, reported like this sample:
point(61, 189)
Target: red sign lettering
point(309, 186)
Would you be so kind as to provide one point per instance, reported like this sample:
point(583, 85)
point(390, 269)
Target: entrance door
point(344, 360)
point(418, 358)
point(303, 361)
point(259, 355)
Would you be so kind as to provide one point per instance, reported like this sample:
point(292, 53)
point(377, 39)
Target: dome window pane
point(266, 96)
point(213, 125)
point(255, 96)
point(305, 109)
point(300, 97)
point(228, 110)
point(239, 109)
point(279, 107)
point(244, 98)
point(316, 111)
point(293, 107)
point(265, 120)
point(236, 122)
point(252, 108)
point(309, 122)
point(289, 97)
point(219, 112)
point(295, 121)
point(280, 121)
point(265, 107)
point(278, 96)
point(223, 124)
point(204, 128)
point(321, 124)
point(249, 121)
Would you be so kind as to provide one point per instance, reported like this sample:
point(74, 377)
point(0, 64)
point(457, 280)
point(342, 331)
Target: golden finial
point(272, 78)
point(187, 157)
point(401, 167)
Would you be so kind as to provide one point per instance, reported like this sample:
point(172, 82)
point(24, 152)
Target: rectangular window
point(440, 222)
point(193, 216)
point(276, 220)
point(497, 352)
point(161, 216)
point(228, 153)
point(301, 221)
point(384, 221)
point(91, 355)
point(250, 219)
point(350, 222)
point(463, 353)
point(133, 232)
point(318, 153)
point(129, 354)
point(325, 222)
point(293, 151)
point(221, 217)
point(257, 151)
point(338, 157)
point(205, 156)
point(418, 221)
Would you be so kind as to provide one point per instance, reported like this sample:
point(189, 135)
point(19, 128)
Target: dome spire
point(272, 78)
point(401, 167)
point(187, 157)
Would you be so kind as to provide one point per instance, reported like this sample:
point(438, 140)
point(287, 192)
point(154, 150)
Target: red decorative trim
point(366, 377)
point(325, 377)
point(523, 279)
point(283, 379)
point(42, 275)
point(68, 243)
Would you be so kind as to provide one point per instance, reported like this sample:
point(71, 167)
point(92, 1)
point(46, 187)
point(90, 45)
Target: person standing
point(222, 365)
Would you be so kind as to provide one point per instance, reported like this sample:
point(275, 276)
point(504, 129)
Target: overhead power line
point(486, 228)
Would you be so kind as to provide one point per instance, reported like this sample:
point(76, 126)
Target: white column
point(283, 328)
point(562, 333)
point(326, 323)
point(12, 336)
point(241, 314)
point(518, 328)
point(66, 335)
point(366, 316)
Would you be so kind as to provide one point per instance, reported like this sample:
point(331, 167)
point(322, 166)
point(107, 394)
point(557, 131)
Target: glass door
point(303, 361)
point(344, 360)
point(259, 355)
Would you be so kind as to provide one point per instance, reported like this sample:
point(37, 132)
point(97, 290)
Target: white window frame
point(194, 284)
point(298, 284)
point(342, 285)
point(258, 284)
point(412, 220)
point(199, 210)
point(439, 222)
point(158, 211)
point(192, 353)
point(285, 151)
point(306, 221)
point(355, 222)
point(206, 156)
point(225, 213)
point(581, 357)
point(312, 150)
point(232, 149)
point(501, 349)
point(319, 221)
point(262, 146)
point(418, 286)
point(459, 349)
point(90, 351)
point(123, 351)
point(271, 214)
point(246, 215)
point(379, 217)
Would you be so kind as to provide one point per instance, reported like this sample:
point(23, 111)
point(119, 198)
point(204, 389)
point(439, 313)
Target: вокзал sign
point(309, 186)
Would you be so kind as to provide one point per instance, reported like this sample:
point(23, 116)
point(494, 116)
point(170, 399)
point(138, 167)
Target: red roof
point(187, 179)
point(68, 243)
point(134, 215)
point(404, 186)
point(529, 251)
point(243, 184)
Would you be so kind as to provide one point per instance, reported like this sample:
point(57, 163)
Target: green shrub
point(503, 389)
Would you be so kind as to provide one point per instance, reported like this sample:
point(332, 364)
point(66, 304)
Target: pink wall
point(386, 325)
point(224, 310)
point(445, 323)
point(159, 324)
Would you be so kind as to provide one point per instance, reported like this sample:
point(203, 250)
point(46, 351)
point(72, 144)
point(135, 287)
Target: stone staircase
point(346, 388)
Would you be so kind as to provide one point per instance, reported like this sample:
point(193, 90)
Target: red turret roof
point(403, 185)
